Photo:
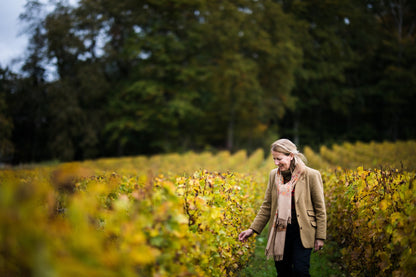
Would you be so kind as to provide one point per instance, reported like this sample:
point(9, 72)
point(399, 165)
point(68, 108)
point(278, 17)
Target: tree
point(152, 109)
point(6, 122)
point(67, 111)
point(143, 77)
point(27, 103)
point(395, 85)
point(248, 56)
point(325, 99)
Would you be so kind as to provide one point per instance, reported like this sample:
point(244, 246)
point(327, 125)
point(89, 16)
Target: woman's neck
point(287, 175)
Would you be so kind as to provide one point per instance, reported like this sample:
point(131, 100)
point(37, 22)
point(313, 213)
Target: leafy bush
point(371, 215)
point(68, 222)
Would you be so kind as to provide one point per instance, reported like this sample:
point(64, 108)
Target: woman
point(294, 204)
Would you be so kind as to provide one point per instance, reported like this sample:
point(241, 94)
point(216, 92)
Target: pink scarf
point(276, 242)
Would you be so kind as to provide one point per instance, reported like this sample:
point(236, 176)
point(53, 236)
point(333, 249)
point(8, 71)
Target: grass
point(324, 263)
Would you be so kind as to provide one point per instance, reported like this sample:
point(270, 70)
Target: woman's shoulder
point(273, 171)
point(311, 171)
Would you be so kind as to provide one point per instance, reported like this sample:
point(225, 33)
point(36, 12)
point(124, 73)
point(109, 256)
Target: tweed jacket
point(309, 205)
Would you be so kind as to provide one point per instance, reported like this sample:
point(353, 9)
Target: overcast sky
point(11, 45)
point(12, 42)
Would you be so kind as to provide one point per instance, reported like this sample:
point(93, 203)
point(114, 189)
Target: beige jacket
point(309, 203)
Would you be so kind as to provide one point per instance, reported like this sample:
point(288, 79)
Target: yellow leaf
point(383, 205)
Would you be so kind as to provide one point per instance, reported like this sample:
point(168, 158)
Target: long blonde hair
point(287, 147)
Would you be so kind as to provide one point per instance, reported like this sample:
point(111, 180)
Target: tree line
point(112, 78)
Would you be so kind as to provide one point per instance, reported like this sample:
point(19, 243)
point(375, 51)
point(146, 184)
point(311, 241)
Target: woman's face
point(281, 160)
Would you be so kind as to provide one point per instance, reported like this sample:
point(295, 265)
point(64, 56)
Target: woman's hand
point(245, 234)
point(319, 244)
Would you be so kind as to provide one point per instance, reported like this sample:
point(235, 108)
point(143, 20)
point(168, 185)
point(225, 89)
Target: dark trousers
point(296, 258)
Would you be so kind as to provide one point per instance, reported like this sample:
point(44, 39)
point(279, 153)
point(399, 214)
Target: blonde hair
point(287, 147)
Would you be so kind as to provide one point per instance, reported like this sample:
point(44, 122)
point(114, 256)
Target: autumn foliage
point(69, 221)
point(180, 214)
point(372, 214)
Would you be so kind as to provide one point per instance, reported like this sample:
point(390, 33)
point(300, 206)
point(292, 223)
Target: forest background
point(155, 76)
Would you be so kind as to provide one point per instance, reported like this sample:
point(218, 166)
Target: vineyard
point(180, 214)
